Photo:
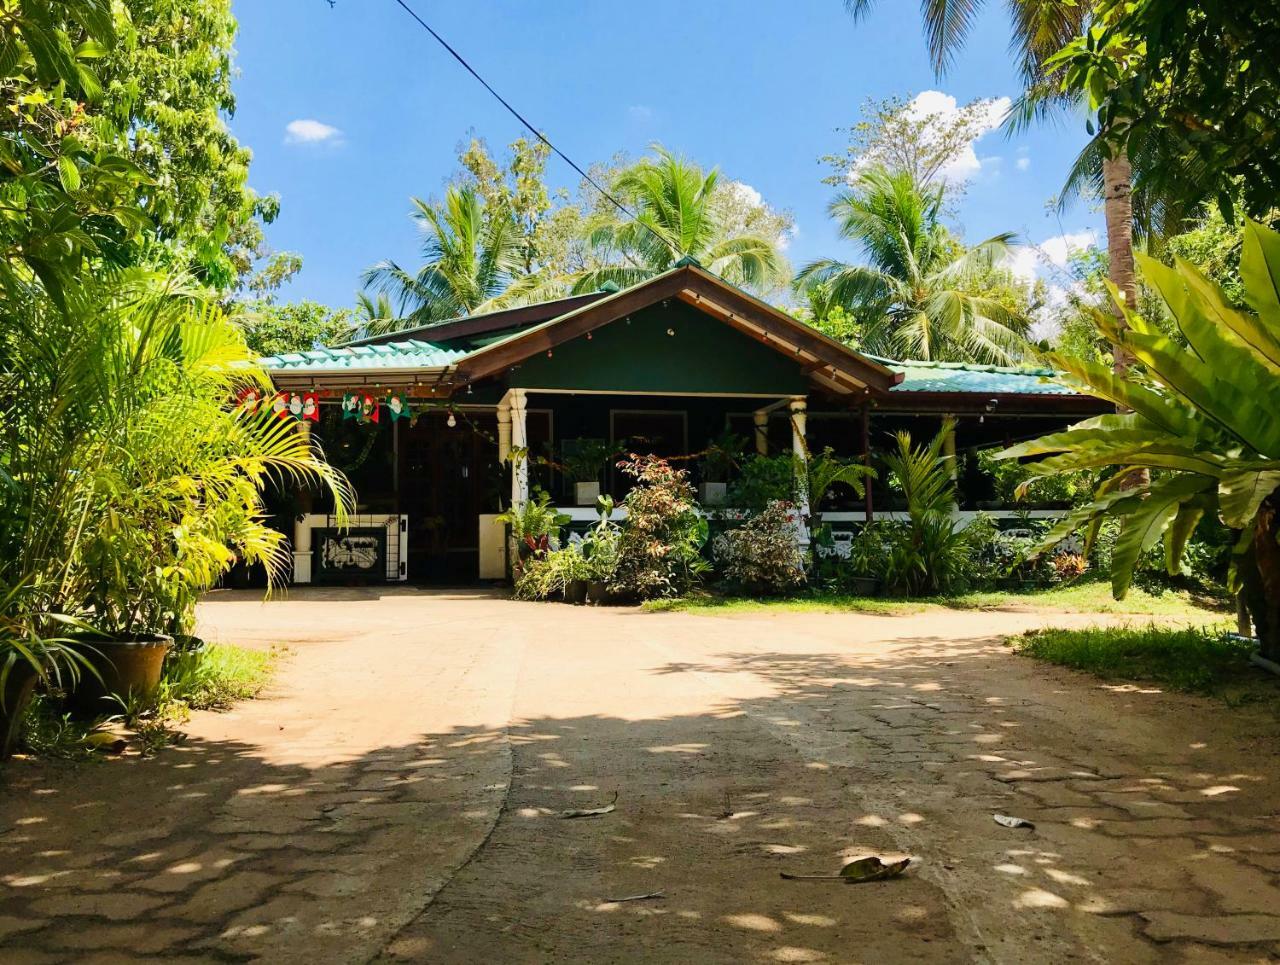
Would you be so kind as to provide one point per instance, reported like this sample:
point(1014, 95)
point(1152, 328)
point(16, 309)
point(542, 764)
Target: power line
point(535, 132)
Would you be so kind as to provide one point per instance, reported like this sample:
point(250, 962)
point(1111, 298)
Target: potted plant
point(573, 572)
point(584, 462)
point(721, 457)
point(535, 526)
point(600, 549)
point(867, 552)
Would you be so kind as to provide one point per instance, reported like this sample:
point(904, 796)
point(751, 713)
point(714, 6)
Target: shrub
point(548, 574)
point(763, 555)
point(659, 553)
point(763, 480)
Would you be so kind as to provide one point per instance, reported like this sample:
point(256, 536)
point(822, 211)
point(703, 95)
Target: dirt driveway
point(397, 794)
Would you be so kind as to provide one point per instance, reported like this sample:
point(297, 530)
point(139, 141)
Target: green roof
point(983, 379)
point(411, 354)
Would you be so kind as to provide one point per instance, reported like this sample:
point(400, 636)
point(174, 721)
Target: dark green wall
point(704, 355)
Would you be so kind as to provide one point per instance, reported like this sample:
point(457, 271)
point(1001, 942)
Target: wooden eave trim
point(495, 358)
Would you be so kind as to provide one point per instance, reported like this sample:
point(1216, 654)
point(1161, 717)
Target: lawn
point(1091, 597)
point(1202, 659)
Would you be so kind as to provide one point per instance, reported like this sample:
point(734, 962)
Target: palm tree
point(470, 259)
point(1041, 28)
point(373, 316)
point(676, 216)
point(920, 294)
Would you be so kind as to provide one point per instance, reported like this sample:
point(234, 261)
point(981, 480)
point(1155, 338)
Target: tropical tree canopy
point(678, 214)
point(921, 293)
point(470, 261)
point(1197, 432)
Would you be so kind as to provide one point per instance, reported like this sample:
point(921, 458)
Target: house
point(496, 401)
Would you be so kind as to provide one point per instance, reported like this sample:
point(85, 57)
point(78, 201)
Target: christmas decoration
point(280, 405)
point(368, 409)
point(310, 406)
point(351, 406)
point(249, 399)
point(398, 406)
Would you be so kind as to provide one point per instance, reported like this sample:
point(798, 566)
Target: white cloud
point(1023, 163)
point(746, 193)
point(1027, 261)
point(1048, 260)
point(309, 131)
point(934, 104)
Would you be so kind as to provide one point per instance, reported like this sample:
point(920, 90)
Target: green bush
point(659, 553)
point(763, 556)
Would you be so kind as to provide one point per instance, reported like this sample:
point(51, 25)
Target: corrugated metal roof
point(411, 354)
point(985, 379)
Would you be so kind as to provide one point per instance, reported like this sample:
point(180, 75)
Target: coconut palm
point(374, 316)
point(470, 258)
point(1041, 28)
point(919, 295)
point(676, 216)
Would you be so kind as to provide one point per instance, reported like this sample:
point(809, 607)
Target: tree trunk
point(1264, 594)
point(1117, 178)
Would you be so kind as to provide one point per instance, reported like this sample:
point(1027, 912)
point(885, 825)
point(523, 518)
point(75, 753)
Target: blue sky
point(757, 87)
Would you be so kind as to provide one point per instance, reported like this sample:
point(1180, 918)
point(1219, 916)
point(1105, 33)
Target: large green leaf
point(1145, 522)
point(1180, 530)
point(1240, 494)
point(1260, 272)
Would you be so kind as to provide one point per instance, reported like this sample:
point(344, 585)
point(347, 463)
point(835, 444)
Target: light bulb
point(451, 421)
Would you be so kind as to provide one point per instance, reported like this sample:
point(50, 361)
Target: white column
point(949, 452)
point(761, 419)
point(520, 443)
point(504, 431)
point(302, 526)
point(799, 409)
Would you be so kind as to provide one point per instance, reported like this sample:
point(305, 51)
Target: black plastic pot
point(597, 592)
point(864, 585)
point(18, 688)
point(575, 592)
point(126, 667)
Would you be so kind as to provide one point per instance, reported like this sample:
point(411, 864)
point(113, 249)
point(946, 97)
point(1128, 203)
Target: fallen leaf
point(871, 868)
point(104, 740)
point(592, 812)
point(1006, 821)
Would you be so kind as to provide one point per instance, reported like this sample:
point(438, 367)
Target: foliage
point(585, 459)
point(130, 483)
point(271, 329)
point(115, 148)
point(723, 455)
point(548, 574)
point(895, 134)
point(1201, 422)
point(536, 522)
point(214, 676)
point(1197, 659)
point(678, 213)
point(762, 555)
point(922, 294)
point(927, 554)
point(1193, 84)
point(602, 546)
point(763, 480)
point(660, 550)
point(826, 470)
point(470, 258)
point(1016, 483)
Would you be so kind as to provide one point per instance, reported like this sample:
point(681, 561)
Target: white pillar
point(761, 419)
point(949, 452)
point(302, 526)
point(504, 431)
point(519, 443)
point(799, 409)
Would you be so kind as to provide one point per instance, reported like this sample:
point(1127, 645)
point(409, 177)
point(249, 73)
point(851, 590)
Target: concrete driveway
point(398, 796)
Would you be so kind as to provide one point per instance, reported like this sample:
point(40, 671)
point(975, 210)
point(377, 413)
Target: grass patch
point(1091, 597)
point(1200, 660)
point(213, 678)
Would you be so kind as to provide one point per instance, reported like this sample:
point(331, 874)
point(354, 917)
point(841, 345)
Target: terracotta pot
point(126, 667)
point(18, 688)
